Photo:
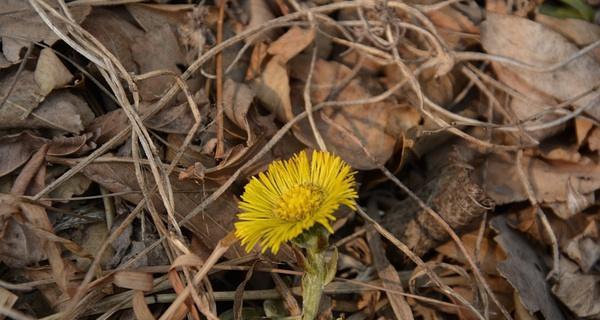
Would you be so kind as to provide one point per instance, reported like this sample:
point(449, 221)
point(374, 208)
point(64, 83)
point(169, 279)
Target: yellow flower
point(291, 196)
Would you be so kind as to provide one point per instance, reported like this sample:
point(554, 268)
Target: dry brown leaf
point(525, 271)
point(535, 44)
point(580, 32)
point(551, 181)
point(60, 110)
point(25, 96)
point(389, 276)
point(20, 25)
point(16, 149)
point(594, 139)
point(273, 89)
point(260, 13)
point(579, 292)
point(152, 17)
point(489, 253)
point(291, 43)
point(259, 53)
point(584, 248)
point(237, 100)
point(582, 129)
point(108, 125)
point(50, 73)
point(115, 33)
point(210, 226)
point(524, 110)
point(157, 50)
point(340, 127)
point(452, 25)
point(133, 280)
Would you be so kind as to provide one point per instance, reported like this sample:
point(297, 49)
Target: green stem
point(313, 283)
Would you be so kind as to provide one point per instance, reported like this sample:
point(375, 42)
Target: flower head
point(291, 197)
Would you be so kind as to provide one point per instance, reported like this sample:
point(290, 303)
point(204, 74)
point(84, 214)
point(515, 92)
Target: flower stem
point(318, 272)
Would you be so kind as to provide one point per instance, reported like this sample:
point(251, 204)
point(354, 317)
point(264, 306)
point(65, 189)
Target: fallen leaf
point(151, 17)
point(525, 271)
point(291, 43)
point(20, 25)
point(108, 125)
point(453, 25)
point(551, 181)
point(25, 96)
point(526, 110)
point(237, 100)
point(133, 280)
point(342, 128)
point(534, 44)
point(579, 292)
point(584, 248)
point(50, 73)
point(594, 139)
point(580, 32)
point(489, 253)
point(211, 225)
point(61, 110)
point(273, 89)
point(115, 33)
point(260, 13)
point(148, 58)
point(16, 149)
point(259, 53)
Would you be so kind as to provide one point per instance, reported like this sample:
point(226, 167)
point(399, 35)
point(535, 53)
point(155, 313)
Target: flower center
point(299, 202)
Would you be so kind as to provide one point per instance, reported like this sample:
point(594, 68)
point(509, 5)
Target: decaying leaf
point(16, 149)
point(115, 33)
point(163, 60)
point(20, 25)
point(343, 128)
point(211, 225)
point(525, 271)
point(551, 181)
point(579, 292)
point(532, 43)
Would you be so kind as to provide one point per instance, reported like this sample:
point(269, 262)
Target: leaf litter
point(474, 132)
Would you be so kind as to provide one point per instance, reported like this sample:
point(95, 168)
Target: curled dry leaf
point(237, 100)
point(16, 149)
point(50, 73)
point(532, 43)
point(20, 25)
